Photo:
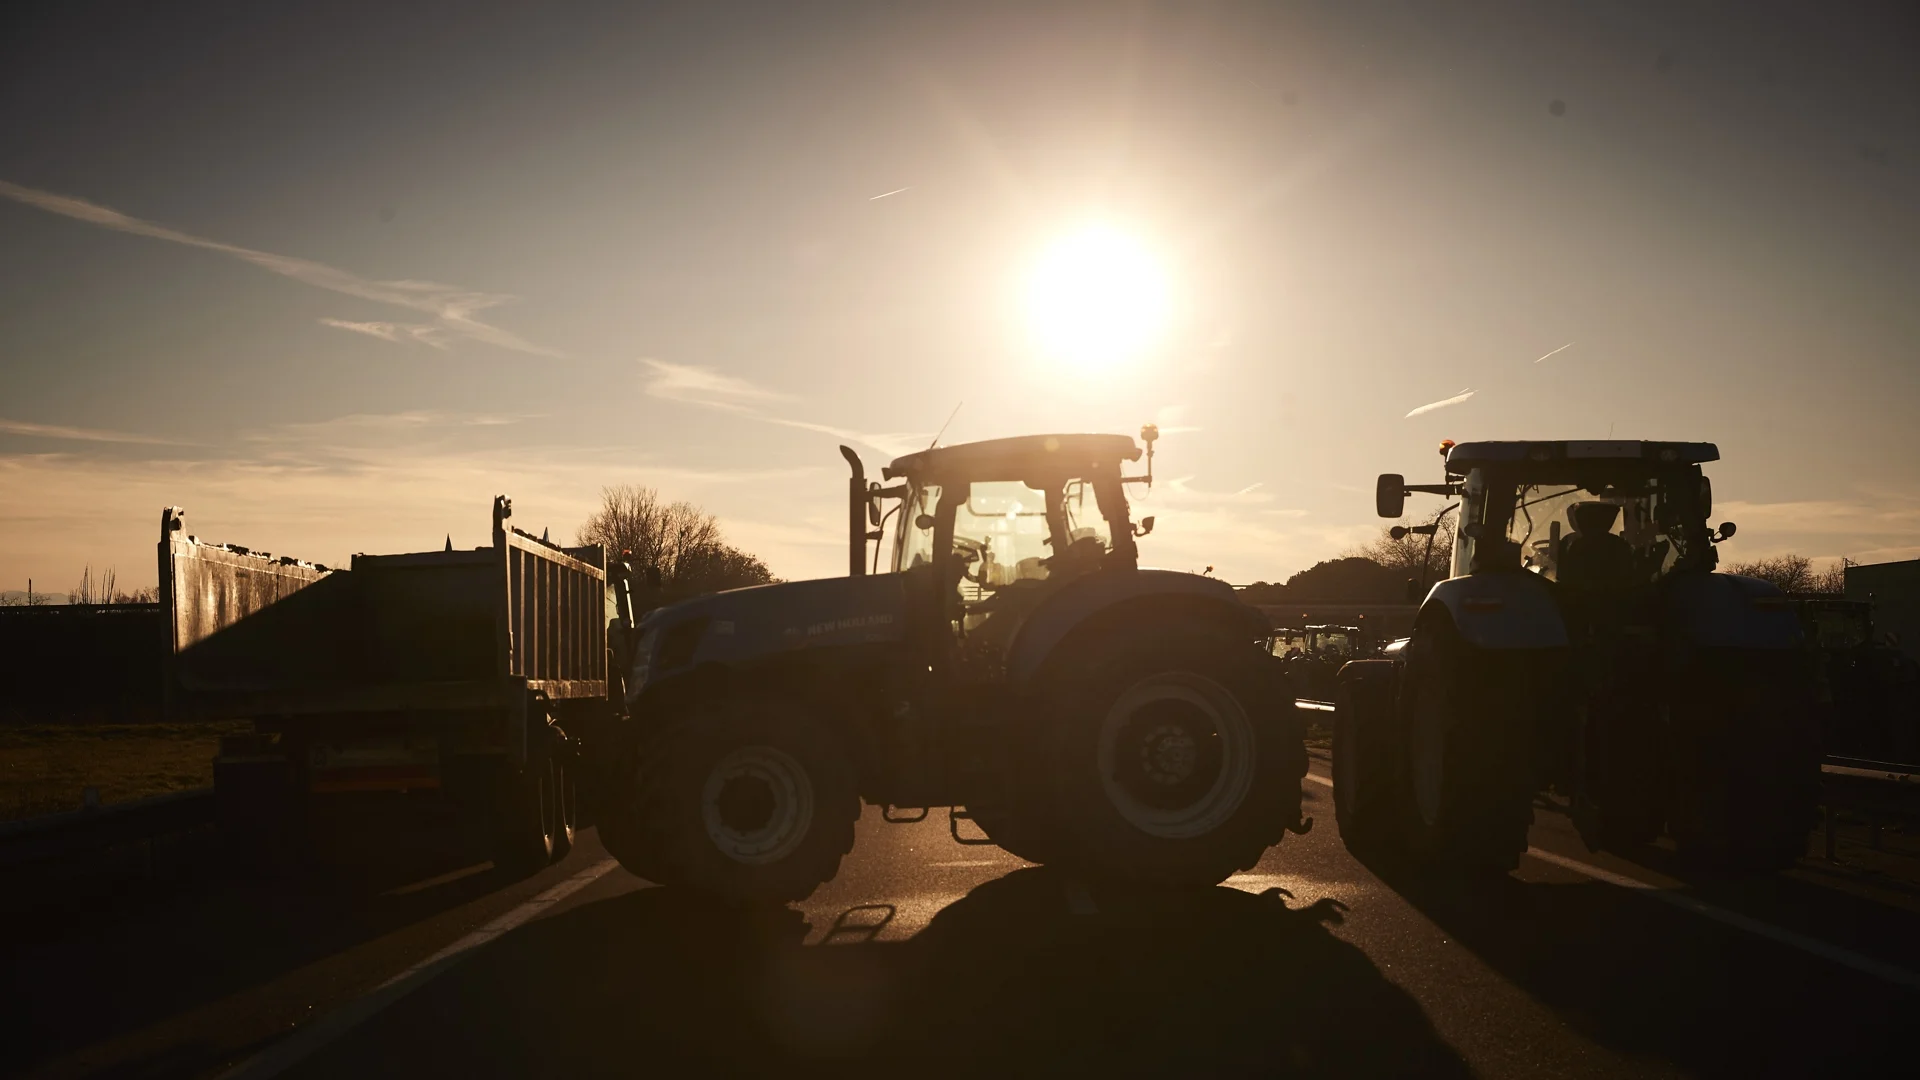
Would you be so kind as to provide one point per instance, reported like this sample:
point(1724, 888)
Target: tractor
point(1583, 644)
point(1014, 664)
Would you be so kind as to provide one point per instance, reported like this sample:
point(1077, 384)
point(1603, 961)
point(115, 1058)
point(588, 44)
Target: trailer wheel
point(1369, 777)
point(526, 812)
point(1172, 760)
point(1746, 762)
point(749, 800)
point(1469, 753)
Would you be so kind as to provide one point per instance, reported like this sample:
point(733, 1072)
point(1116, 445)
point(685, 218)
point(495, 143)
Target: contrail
point(1561, 349)
point(895, 191)
point(1441, 404)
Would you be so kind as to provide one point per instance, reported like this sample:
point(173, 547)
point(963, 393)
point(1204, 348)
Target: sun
point(1097, 297)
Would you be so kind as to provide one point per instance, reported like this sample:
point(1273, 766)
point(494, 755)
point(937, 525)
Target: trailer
point(458, 672)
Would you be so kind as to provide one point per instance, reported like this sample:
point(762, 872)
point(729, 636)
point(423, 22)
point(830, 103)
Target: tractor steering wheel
point(972, 553)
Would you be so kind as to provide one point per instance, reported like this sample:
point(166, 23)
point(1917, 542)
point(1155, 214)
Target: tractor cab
point(983, 532)
point(1600, 516)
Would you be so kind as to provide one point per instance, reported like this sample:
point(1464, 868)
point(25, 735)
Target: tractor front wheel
point(750, 801)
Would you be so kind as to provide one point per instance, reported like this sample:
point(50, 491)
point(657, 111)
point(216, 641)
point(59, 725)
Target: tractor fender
point(1500, 611)
point(1728, 611)
point(1117, 597)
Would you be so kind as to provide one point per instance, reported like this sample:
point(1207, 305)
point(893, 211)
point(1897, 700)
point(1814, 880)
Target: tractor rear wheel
point(750, 801)
point(1171, 760)
point(1746, 762)
point(1369, 767)
point(1469, 752)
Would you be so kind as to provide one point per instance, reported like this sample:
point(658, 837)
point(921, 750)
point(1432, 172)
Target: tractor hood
point(763, 620)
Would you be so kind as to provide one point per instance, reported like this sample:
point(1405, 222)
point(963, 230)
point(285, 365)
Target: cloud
point(1561, 349)
point(884, 194)
point(703, 386)
point(1441, 404)
point(424, 334)
point(454, 307)
point(56, 431)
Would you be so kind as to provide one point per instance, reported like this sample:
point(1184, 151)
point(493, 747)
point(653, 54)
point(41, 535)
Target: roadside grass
point(45, 767)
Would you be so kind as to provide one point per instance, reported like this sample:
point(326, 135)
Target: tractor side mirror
point(1726, 531)
point(873, 503)
point(1398, 532)
point(1390, 495)
point(924, 521)
point(1145, 526)
point(1473, 530)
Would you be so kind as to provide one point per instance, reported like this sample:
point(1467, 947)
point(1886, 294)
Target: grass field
point(44, 767)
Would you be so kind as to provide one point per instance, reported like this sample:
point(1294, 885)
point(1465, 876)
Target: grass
point(45, 767)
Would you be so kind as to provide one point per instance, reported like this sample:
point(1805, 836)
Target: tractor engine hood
point(742, 625)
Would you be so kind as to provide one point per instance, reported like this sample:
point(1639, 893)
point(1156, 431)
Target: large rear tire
point(1171, 761)
point(750, 801)
point(1469, 751)
point(1746, 761)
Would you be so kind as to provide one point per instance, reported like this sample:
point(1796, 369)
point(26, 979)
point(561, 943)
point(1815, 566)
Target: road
point(933, 958)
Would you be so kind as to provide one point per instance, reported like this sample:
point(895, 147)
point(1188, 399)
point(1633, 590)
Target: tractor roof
point(1018, 457)
point(1575, 452)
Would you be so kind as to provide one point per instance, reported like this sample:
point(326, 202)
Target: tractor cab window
point(916, 526)
point(1619, 533)
point(1087, 531)
point(1000, 535)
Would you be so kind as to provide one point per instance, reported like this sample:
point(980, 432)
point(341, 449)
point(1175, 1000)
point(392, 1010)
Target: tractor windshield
point(1003, 523)
point(1635, 524)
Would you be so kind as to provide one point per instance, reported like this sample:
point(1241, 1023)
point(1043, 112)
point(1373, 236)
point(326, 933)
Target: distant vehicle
point(1869, 689)
point(1312, 657)
point(1584, 643)
point(1015, 665)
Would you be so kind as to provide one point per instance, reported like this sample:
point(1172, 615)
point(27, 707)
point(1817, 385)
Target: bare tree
point(679, 539)
point(1793, 573)
point(1411, 554)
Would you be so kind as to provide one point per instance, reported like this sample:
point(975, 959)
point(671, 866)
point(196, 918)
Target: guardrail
point(82, 832)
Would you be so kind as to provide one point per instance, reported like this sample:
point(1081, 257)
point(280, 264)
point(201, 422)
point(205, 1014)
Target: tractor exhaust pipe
point(857, 499)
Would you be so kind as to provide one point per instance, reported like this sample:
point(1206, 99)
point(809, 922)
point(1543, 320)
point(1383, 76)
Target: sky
point(330, 277)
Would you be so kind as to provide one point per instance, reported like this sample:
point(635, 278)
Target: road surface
point(932, 958)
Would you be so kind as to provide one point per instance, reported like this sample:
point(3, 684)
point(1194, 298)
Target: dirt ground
point(45, 767)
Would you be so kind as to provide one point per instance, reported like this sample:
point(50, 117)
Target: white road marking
point(1844, 957)
point(303, 1043)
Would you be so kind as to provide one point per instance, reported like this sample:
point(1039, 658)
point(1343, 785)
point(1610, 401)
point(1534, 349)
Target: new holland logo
point(852, 622)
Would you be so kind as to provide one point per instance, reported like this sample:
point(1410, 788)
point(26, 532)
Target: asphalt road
point(927, 957)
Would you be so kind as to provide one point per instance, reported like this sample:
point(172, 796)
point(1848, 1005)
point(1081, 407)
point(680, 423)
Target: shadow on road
point(1658, 982)
point(99, 958)
point(1004, 980)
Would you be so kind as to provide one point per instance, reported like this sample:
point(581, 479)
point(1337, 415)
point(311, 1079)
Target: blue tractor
point(1583, 643)
point(1014, 664)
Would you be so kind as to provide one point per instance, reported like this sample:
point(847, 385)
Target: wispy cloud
point(422, 333)
point(884, 194)
point(1441, 404)
point(703, 386)
point(455, 308)
point(56, 431)
point(1557, 351)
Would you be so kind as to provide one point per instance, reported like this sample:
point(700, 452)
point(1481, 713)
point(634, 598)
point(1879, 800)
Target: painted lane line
point(1834, 953)
point(1844, 957)
point(315, 1036)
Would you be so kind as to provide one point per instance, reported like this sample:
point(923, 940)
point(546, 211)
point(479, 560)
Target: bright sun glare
point(1097, 297)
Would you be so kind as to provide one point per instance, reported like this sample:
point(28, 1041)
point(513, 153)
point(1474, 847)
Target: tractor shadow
point(1658, 982)
point(1006, 980)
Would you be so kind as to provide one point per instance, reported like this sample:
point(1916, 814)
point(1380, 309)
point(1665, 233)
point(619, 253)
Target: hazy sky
point(333, 278)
